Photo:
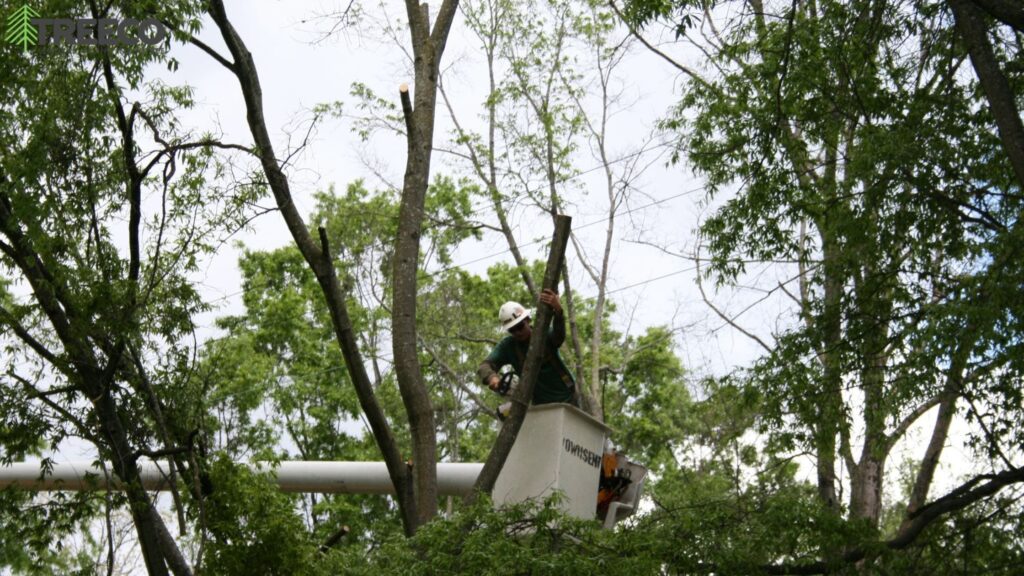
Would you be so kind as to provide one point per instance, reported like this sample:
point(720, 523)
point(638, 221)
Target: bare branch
point(204, 47)
point(685, 70)
point(316, 257)
point(722, 315)
point(455, 378)
point(8, 319)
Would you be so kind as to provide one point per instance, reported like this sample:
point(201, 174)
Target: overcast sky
point(299, 69)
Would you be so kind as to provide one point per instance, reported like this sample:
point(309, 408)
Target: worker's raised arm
point(550, 297)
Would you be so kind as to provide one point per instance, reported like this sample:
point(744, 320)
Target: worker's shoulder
point(504, 346)
point(508, 343)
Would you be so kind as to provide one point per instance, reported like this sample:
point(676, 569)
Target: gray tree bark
point(1009, 12)
point(319, 260)
point(972, 28)
point(428, 46)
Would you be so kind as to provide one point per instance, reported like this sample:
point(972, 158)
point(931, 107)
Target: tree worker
point(555, 383)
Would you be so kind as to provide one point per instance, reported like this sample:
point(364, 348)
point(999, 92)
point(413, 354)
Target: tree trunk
point(415, 397)
point(971, 26)
point(930, 461)
point(73, 329)
point(866, 489)
point(829, 410)
point(428, 46)
point(144, 516)
point(318, 258)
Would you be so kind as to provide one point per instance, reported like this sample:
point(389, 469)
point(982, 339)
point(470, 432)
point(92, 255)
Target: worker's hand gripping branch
point(550, 297)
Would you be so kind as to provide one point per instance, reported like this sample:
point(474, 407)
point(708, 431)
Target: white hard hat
point(512, 313)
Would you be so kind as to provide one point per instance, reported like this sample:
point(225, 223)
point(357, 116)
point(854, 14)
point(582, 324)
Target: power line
point(508, 250)
point(486, 206)
point(588, 224)
point(226, 296)
point(649, 280)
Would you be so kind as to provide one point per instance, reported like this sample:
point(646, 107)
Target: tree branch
point(905, 424)
point(958, 499)
point(319, 260)
point(1002, 101)
point(722, 315)
point(455, 378)
point(636, 34)
point(43, 397)
point(1009, 12)
point(7, 318)
point(204, 47)
point(443, 25)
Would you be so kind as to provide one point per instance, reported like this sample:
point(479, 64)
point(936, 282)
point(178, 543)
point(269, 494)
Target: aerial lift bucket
point(561, 448)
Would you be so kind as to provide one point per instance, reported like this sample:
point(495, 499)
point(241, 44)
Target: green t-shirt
point(551, 385)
